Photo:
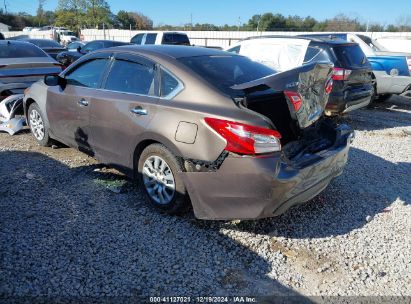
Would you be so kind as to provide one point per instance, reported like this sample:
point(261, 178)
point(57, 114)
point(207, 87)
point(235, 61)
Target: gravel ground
point(66, 232)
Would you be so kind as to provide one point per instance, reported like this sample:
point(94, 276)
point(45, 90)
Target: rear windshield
point(45, 43)
point(350, 55)
point(20, 50)
point(179, 39)
point(223, 72)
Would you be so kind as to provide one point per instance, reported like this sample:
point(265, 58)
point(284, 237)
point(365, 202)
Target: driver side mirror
point(54, 80)
point(80, 50)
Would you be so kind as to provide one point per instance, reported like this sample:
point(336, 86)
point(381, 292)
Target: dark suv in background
point(353, 84)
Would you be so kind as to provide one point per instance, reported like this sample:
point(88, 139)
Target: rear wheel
point(158, 170)
point(38, 126)
point(383, 97)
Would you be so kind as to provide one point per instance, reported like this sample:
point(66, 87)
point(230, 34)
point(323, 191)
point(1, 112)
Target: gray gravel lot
point(64, 231)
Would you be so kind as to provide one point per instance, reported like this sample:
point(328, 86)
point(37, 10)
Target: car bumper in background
point(259, 187)
point(387, 84)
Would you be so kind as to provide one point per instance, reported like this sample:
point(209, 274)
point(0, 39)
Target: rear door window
point(88, 74)
point(151, 39)
point(132, 77)
point(350, 55)
point(92, 46)
point(137, 39)
point(316, 54)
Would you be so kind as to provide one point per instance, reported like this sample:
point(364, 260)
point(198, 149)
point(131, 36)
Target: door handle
point(82, 102)
point(139, 111)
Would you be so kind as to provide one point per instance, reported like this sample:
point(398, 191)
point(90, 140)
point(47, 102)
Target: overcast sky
point(219, 12)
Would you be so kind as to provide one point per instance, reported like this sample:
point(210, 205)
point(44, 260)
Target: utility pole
point(5, 7)
point(239, 23)
point(191, 21)
point(94, 11)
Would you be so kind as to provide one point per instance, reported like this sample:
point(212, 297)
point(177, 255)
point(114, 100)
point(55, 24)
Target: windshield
point(373, 44)
point(21, 50)
point(225, 71)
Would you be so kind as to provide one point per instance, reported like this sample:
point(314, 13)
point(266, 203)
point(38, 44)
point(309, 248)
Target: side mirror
point(54, 80)
point(51, 80)
point(79, 49)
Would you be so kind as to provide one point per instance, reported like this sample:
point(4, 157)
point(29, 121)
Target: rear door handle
point(83, 103)
point(139, 111)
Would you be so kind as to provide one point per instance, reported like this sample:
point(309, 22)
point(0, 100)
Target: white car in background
point(160, 37)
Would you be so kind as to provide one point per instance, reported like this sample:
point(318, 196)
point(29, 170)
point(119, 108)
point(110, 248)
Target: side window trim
point(143, 40)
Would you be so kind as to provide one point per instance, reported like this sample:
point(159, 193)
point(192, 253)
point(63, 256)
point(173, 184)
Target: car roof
point(320, 39)
point(173, 51)
point(161, 32)
point(36, 39)
point(102, 40)
point(22, 43)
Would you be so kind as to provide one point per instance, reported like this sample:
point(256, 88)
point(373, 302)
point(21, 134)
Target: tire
point(38, 126)
point(158, 166)
point(383, 97)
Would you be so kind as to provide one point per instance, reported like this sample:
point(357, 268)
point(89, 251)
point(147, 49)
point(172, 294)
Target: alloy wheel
point(158, 180)
point(36, 125)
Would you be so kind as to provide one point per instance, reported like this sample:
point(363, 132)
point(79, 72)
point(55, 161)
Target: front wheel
point(158, 170)
point(38, 126)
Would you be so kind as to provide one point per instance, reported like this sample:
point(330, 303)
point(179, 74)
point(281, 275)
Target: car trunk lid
point(28, 69)
point(308, 82)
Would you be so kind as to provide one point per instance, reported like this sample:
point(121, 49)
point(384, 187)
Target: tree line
point(78, 14)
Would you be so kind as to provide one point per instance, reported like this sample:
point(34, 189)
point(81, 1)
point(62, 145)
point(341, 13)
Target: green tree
point(124, 20)
point(343, 23)
point(142, 22)
point(84, 13)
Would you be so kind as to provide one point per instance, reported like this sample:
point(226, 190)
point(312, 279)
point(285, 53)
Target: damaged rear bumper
point(350, 100)
point(259, 187)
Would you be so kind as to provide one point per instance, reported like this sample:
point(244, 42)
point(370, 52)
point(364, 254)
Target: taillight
point(329, 85)
point(246, 139)
point(295, 99)
point(341, 74)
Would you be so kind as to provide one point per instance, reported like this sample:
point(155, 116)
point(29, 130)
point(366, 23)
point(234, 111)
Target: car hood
point(308, 80)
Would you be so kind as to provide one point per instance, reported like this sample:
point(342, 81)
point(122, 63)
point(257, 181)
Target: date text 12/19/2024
point(239, 299)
